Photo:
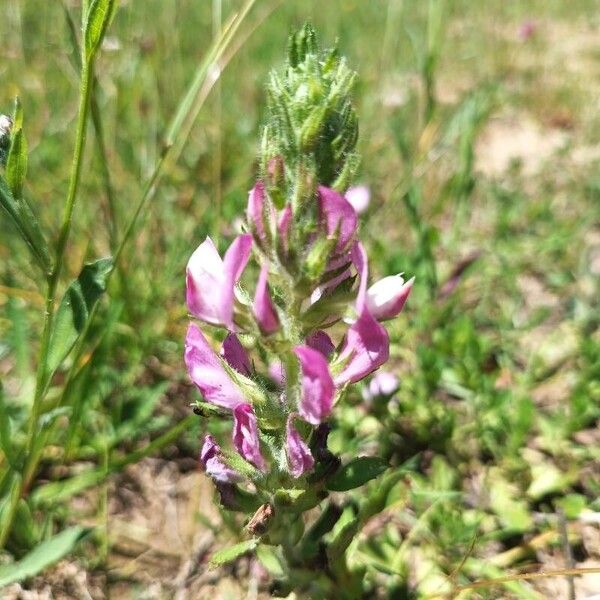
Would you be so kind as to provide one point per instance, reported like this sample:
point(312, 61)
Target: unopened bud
point(312, 129)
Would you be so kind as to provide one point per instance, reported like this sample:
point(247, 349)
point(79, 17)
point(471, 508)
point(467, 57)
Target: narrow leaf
point(75, 309)
point(356, 473)
point(44, 555)
point(26, 224)
point(16, 164)
point(96, 24)
point(227, 555)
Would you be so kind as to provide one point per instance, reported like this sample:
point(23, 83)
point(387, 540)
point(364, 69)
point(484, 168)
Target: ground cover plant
point(479, 172)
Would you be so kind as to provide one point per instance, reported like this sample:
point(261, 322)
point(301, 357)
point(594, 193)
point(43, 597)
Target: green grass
point(499, 378)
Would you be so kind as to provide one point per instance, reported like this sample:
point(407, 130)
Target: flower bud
point(245, 435)
point(298, 453)
point(337, 216)
point(235, 355)
point(387, 297)
point(318, 390)
point(257, 214)
point(264, 311)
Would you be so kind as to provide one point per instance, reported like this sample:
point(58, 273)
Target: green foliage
point(45, 554)
point(356, 473)
point(75, 309)
point(227, 555)
point(496, 414)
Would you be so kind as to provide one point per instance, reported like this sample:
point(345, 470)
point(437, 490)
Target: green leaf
point(74, 310)
point(271, 560)
point(228, 555)
point(26, 224)
point(99, 16)
point(16, 164)
point(44, 555)
point(356, 473)
point(8, 507)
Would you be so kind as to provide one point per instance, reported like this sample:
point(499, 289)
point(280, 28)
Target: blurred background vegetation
point(479, 139)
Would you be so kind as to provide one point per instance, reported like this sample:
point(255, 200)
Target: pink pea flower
point(245, 435)
point(214, 466)
point(207, 372)
point(527, 29)
point(255, 213)
point(383, 385)
point(263, 308)
point(387, 297)
point(277, 372)
point(337, 215)
point(320, 341)
point(317, 385)
point(298, 453)
point(283, 228)
point(359, 197)
point(365, 348)
point(235, 355)
point(210, 281)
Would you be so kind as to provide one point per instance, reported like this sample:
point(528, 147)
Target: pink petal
point(277, 373)
point(337, 213)
point(234, 262)
point(359, 197)
point(245, 435)
point(263, 308)
point(283, 228)
point(298, 453)
point(255, 212)
point(359, 258)
point(366, 348)
point(317, 385)
point(204, 282)
point(383, 385)
point(386, 298)
point(320, 341)
point(213, 463)
point(235, 355)
point(207, 372)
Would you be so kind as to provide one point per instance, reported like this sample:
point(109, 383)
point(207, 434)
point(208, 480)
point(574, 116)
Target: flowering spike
point(235, 355)
point(245, 435)
point(300, 459)
point(210, 280)
point(317, 385)
point(264, 311)
point(207, 372)
point(213, 463)
point(386, 298)
point(366, 347)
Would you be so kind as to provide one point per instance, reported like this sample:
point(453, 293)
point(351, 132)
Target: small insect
point(259, 523)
